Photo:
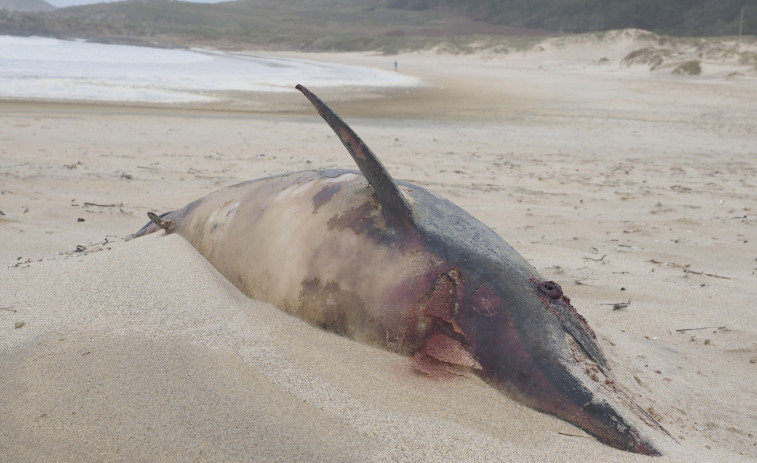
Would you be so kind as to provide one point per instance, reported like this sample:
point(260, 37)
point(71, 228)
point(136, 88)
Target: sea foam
point(52, 69)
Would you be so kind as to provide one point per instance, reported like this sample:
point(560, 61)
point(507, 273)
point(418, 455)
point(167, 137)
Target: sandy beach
point(621, 184)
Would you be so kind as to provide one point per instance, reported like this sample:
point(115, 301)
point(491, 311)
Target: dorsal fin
point(393, 204)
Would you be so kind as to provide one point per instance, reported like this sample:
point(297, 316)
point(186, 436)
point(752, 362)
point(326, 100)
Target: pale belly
point(317, 246)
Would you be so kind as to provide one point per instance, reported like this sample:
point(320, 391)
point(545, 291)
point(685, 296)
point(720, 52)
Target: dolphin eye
point(551, 289)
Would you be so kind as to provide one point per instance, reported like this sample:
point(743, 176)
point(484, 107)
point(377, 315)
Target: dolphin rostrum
point(391, 264)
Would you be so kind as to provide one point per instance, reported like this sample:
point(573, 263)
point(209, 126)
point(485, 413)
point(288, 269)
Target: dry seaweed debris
point(687, 270)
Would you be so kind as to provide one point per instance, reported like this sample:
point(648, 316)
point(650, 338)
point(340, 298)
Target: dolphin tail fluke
point(167, 225)
point(156, 223)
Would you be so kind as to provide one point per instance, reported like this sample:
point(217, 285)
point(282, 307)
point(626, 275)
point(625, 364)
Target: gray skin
point(391, 264)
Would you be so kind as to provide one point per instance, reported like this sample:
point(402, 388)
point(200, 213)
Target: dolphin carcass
point(389, 263)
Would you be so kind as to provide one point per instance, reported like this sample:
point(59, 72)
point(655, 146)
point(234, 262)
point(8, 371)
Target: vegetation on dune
point(689, 68)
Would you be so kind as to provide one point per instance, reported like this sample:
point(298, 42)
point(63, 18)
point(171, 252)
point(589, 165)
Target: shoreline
point(492, 84)
point(433, 101)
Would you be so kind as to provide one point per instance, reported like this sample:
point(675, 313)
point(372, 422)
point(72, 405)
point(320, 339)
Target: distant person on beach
point(395, 66)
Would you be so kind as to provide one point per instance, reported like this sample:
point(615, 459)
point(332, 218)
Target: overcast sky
point(62, 3)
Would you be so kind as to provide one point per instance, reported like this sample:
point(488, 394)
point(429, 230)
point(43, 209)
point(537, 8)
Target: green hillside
point(387, 25)
point(672, 17)
point(301, 24)
point(25, 5)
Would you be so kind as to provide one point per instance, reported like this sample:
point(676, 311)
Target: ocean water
point(52, 69)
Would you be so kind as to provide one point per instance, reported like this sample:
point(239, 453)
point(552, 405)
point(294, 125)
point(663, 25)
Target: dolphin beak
point(580, 393)
point(551, 372)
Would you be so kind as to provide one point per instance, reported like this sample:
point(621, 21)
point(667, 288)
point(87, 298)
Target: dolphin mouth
point(627, 420)
point(587, 397)
point(602, 420)
point(614, 419)
point(572, 387)
point(607, 424)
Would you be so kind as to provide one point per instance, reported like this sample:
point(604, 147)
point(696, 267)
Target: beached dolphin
point(391, 264)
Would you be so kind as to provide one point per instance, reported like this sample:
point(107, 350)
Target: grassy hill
point(387, 25)
point(25, 5)
point(672, 17)
point(272, 24)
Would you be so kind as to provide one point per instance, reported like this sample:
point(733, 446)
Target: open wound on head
point(443, 353)
point(443, 356)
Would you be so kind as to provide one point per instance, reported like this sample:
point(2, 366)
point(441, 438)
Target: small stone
point(19, 325)
point(706, 342)
point(80, 219)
